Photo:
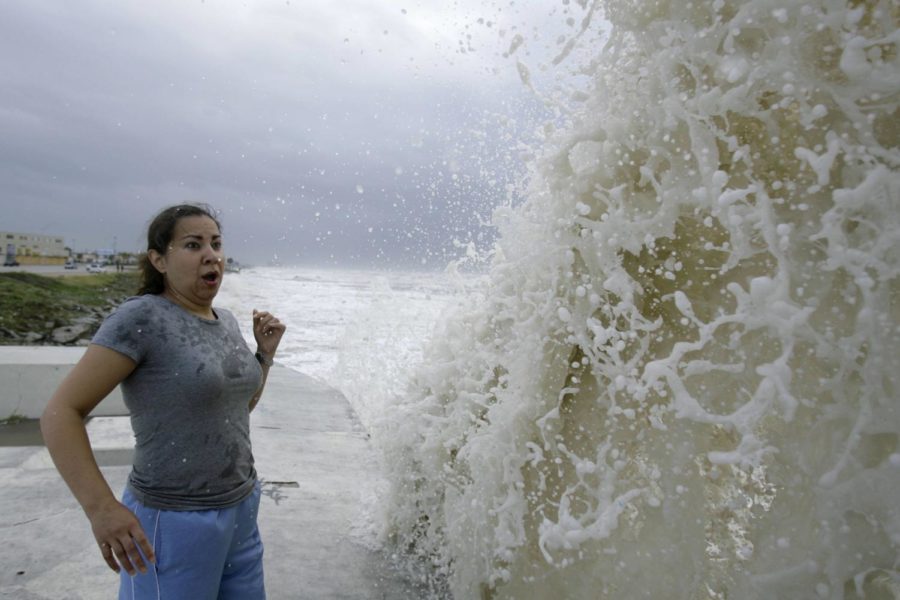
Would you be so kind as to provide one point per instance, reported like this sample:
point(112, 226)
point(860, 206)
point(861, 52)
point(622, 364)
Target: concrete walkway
point(318, 478)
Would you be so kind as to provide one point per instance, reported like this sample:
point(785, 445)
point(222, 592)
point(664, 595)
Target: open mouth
point(211, 278)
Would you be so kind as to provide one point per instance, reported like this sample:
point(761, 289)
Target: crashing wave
point(681, 378)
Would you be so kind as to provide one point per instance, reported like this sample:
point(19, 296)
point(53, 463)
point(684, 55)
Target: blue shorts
point(200, 554)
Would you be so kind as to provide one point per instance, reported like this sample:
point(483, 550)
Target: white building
point(33, 248)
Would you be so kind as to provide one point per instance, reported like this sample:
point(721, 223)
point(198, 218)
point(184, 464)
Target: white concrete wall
point(30, 374)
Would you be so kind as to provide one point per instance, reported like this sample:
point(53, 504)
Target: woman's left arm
point(267, 330)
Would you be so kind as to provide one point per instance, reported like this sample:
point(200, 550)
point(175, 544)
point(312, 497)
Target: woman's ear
point(157, 260)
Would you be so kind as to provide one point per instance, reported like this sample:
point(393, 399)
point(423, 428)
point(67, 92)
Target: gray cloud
point(351, 134)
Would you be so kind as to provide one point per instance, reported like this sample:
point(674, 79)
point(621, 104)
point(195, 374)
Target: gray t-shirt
point(189, 402)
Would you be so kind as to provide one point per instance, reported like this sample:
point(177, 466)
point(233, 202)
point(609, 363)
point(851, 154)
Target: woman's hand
point(267, 330)
point(120, 537)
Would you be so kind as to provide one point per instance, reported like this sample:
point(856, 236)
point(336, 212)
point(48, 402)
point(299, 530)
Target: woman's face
point(194, 263)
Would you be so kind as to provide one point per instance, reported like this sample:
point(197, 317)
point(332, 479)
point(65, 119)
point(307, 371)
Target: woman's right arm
point(117, 530)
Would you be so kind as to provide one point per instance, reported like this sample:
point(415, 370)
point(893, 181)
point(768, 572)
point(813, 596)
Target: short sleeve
point(127, 329)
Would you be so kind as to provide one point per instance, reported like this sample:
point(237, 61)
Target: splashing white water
point(680, 381)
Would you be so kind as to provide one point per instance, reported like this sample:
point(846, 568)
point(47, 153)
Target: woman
point(186, 525)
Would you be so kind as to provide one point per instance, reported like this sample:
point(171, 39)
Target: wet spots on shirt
point(163, 336)
point(123, 336)
point(233, 366)
point(232, 454)
point(193, 389)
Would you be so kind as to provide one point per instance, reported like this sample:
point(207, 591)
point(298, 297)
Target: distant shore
point(52, 270)
point(40, 306)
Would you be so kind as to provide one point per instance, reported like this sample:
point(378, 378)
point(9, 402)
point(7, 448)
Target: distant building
point(105, 255)
point(34, 248)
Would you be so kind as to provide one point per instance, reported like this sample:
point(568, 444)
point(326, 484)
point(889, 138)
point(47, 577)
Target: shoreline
point(60, 270)
point(50, 308)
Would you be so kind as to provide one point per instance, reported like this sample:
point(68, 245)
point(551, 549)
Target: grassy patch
point(36, 303)
point(13, 419)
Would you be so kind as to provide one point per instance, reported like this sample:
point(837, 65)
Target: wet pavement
point(318, 479)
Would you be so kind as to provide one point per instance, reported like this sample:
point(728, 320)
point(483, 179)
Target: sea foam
point(681, 378)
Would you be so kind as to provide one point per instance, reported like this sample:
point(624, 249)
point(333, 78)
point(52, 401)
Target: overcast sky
point(339, 133)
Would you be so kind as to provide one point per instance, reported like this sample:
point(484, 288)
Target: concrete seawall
point(30, 374)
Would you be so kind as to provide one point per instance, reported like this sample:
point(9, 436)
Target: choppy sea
point(356, 330)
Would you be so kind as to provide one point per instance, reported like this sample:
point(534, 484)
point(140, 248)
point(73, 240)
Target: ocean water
point(360, 331)
point(680, 377)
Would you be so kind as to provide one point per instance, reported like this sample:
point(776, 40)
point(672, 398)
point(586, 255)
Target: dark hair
point(159, 236)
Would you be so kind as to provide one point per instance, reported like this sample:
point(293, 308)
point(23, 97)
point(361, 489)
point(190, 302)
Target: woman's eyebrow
point(217, 236)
